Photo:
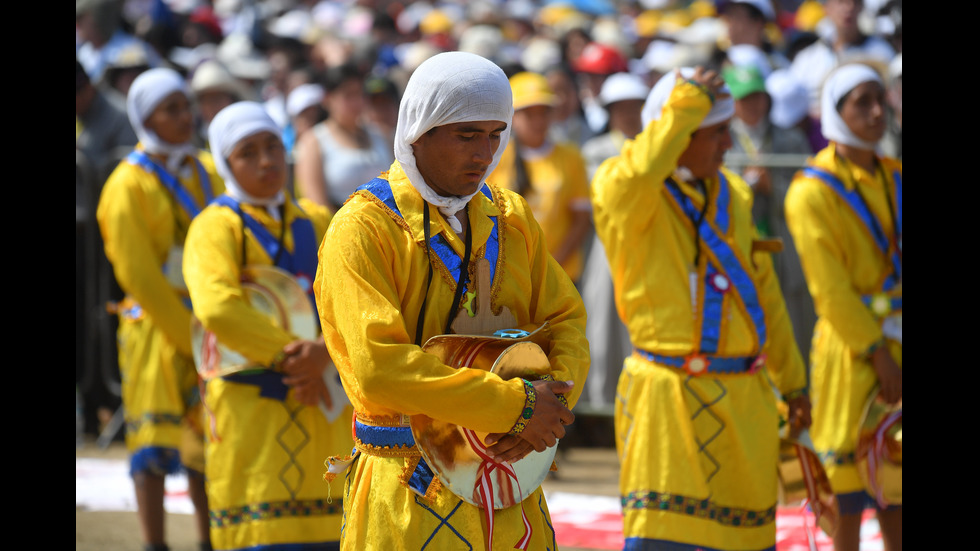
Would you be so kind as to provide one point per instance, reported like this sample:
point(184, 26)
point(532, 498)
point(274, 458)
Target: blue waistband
point(384, 436)
point(716, 364)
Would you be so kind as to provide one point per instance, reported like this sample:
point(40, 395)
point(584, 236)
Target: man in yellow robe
point(696, 412)
point(389, 270)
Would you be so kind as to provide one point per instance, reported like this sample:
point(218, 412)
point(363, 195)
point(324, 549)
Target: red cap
point(600, 59)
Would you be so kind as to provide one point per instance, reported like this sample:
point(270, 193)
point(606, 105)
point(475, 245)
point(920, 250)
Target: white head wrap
point(722, 110)
point(303, 96)
point(230, 126)
point(449, 88)
point(841, 81)
point(147, 91)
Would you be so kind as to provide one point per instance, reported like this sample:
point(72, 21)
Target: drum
point(803, 478)
point(276, 294)
point(879, 450)
point(457, 454)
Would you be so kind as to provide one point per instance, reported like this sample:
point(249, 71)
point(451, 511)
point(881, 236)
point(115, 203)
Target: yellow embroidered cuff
point(703, 88)
point(561, 397)
point(871, 349)
point(277, 361)
point(795, 394)
point(530, 398)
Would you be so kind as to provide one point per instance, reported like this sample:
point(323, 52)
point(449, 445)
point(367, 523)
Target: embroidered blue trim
point(269, 382)
point(155, 460)
point(381, 189)
point(742, 282)
point(301, 262)
point(384, 436)
point(396, 437)
point(648, 544)
point(141, 159)
point(716, 364)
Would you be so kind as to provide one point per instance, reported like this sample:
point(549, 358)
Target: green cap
point(743, 80)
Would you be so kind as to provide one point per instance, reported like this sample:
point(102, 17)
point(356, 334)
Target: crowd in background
point(330, 73)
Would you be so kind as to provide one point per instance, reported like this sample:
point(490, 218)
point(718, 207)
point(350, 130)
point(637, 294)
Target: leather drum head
point(454, 452)
point(802, 478)
point(274, 293)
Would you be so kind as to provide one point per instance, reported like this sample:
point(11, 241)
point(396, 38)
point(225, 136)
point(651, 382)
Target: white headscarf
point(230, 126)
point(147, 91)
point(449, 88)
point(722, 110)
point(841, 81)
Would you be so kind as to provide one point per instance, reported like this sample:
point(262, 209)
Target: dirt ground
point(584, 468)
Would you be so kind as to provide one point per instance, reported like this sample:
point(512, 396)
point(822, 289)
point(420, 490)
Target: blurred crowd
point(331, 73)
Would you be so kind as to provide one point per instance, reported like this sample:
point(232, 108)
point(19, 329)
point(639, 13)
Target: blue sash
point(301, 263)
point(381, 189)
point(871, 222)
point(396, 438)
point(184, 198)
point(713, 232)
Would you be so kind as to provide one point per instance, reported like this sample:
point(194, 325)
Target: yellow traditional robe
point(143, 228)
point(370, 287)
point(698, 453)
point(264, 462)
point(842, 264)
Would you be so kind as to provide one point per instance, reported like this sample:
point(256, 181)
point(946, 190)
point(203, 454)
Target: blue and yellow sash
point(723, 260)
point(854, 200)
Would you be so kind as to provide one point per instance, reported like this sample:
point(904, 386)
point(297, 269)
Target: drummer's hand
point(799, 412)
point(889, 375)
point(508, 447)
point(303, 368)
point(545, 426)
point(312, 392)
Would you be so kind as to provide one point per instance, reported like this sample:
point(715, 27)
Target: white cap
point(213, 75)
point(303, 96)
point(622, 86)
point(895, 68)
point(747, 55)
point(765, 6)
point(789, 98)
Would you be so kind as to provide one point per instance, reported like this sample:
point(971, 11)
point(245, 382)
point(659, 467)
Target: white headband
point(146, 92)
point(449, 88)
point(722, 110)
point(230, 126)
point(844, 79)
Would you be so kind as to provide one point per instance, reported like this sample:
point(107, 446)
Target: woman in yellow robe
point(144, 210)
point(845, 214)
point(267, 434)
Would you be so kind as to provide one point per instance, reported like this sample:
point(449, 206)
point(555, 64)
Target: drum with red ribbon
point(879, 450)
point(457, 454)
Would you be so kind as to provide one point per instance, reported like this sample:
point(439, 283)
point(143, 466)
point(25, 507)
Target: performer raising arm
point(696, 424)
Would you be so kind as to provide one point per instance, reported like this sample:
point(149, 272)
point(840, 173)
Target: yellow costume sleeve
point(212, 270)
point(371, 284)
point(785, 364)
point(140, 222)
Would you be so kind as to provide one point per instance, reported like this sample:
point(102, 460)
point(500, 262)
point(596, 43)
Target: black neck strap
point(463, 276)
